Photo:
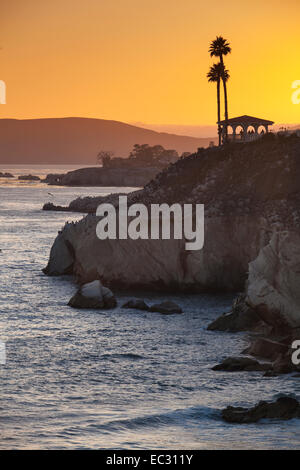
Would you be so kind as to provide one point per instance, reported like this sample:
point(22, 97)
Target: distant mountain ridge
point(78, 140)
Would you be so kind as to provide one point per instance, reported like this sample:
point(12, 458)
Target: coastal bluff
point(98, 176)
point(252, 209)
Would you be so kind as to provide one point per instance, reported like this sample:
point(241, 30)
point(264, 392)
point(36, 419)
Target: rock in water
point(108, 298)
point(93, 295)
point(266, 348)
point(233, 364)
point(167, 308)
point(85, 204)
point(29, 178)
point(240, 318)
point(49, 206)
point(79, 301)
point(283, 408)
point(138, 304)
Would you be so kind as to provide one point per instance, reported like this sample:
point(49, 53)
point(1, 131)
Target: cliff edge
point(252, 201)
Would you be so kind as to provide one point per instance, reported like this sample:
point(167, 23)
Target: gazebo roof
point(246, 120)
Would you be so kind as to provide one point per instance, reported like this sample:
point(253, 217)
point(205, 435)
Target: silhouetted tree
point(218, 48)
point(104, 157)
point(217, 73)
point(154, 155)
point(185, 154)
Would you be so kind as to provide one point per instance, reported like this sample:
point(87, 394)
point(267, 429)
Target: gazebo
point(245, 123)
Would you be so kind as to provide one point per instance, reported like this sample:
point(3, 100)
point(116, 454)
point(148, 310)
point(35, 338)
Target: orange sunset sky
point(146, 60)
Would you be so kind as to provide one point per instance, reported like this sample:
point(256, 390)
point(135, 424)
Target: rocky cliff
point(87, 204)
point(270, 306)
point(251, 194)
point(132, 177)
point(273, 287)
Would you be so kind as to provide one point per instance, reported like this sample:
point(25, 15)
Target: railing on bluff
point(239, 138)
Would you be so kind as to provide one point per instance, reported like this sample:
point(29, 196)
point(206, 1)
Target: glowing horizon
point(135, 62)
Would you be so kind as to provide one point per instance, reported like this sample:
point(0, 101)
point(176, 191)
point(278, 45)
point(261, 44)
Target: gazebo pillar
point(234, 131)
point(223, 131)
point(244, 127)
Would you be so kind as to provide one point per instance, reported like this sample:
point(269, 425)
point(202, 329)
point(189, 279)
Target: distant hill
point(78, 140)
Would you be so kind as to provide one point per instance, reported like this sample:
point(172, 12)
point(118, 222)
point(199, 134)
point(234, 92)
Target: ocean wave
point(171, 418)
point(129, 356)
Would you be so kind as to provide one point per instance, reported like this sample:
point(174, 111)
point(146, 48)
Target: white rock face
point(93, 295)
point(274, 281)
point(93, 289)
point(230, 243)
point(63, 256)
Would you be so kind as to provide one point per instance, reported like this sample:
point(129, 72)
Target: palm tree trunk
point(219, 111)
point(225, 100)
point(226, 104)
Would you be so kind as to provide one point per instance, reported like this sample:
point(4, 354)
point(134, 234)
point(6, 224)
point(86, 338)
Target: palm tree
point(217, 73)
point(218, 48)
point(225, 77)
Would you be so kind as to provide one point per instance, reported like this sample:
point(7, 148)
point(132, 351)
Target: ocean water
point(35, 170)
point(113, 379)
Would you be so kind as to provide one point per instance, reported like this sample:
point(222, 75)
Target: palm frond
point(219, 46)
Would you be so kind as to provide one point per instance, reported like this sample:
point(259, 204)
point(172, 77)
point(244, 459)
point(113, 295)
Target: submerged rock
point(29, 178)
point(283, 408)
point(93, 296)
point(49, 206)
point(270, 373)
point(234, 364)
point(138, 304)
point(167, 308)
